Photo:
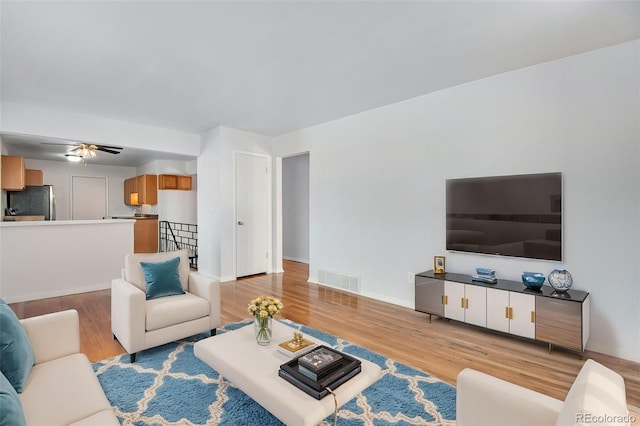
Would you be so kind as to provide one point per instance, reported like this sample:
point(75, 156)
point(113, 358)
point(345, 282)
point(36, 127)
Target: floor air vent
point(339, 280)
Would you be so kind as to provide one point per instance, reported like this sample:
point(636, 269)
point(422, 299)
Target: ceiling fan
point(84, 151)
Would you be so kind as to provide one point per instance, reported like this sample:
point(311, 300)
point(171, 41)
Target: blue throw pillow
point(11, 413)
point(16, 353)
point(163, 278)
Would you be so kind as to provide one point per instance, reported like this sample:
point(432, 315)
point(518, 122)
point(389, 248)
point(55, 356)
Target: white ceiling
point(271, 67)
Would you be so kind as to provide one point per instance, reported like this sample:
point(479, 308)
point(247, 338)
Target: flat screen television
point(519, 215)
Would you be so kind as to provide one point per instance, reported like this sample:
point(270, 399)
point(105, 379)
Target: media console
point(560, 319)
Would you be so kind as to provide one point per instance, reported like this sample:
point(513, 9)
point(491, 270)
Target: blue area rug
point(168, 385)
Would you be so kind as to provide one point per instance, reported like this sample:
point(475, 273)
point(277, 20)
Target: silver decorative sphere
point(560, 279)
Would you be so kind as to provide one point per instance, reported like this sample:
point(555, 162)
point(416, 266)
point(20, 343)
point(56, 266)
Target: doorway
point(88, 198)
point(295, 208)
point(252, 214)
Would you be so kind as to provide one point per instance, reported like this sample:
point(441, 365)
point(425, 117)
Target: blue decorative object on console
point(485, 271)
point(533, 280)
point(485, 275)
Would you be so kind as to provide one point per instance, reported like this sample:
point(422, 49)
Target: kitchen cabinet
point(129, 188)
point(145, 236)
point(13, 173)
point(466, 303)
point(511, 312)
point(146, 188)
point(180, 182)
point(33, 177)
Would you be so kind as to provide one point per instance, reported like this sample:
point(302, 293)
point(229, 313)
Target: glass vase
point(264, 329)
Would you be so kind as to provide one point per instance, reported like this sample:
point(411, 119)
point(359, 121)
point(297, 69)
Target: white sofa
point(140, 324)
point(62, 388)
point(597, 396)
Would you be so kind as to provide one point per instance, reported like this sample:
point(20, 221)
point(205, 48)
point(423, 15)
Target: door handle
point(240, 223)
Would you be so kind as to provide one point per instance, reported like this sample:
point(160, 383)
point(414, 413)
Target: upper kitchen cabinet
point(175, 182)
point(34, 178)
point(140, 190)
point(13, 173)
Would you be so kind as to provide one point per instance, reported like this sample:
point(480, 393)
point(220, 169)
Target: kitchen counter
point(147, 217)
point(20, 223)
point(21, 218)
point(44, 258)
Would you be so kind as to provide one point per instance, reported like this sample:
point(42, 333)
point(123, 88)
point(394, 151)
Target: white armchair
point(596, 396)
point(140, 324)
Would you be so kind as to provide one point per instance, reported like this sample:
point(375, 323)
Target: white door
point(252, 214)
point(88, 198)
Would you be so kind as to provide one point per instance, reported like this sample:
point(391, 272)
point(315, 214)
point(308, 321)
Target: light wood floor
point(442, 348)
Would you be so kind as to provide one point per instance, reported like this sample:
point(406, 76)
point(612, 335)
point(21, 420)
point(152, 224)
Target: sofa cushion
point(62, 391)
point(16, 354)
point(162, 278)
point(133, 271)
point(166, 311)
point(597, 392)
point(10, 407)
point(103, 418)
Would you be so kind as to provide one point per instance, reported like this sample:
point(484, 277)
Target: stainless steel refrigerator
point(33, 201)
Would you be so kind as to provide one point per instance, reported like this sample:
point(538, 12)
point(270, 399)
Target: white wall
point(216, 215)
point(377, 180)
point(59, 173)
point(39, 121)
point(209, 204)
point(295, 208)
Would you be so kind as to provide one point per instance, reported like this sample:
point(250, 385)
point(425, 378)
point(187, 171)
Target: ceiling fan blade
point(107, 146)
point(110, 151)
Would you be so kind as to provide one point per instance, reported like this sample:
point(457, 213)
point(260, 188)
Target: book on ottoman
point(332, 377)
point(320, 361)
point(317, 394)
point(292, 348)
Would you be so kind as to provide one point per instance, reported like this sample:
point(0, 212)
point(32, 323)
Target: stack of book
point(319, 370)
point(295, 347)
point(485, 275)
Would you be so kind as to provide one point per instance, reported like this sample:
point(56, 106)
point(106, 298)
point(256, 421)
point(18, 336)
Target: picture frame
point(438, 264)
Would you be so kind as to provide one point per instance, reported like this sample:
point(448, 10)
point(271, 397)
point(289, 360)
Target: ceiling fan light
point(73, 157)
point(84, 151)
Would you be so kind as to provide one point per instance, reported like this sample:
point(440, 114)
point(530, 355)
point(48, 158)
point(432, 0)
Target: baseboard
point(392, 300)
point(296, 259)
point(370, 295)
point(57, 293)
